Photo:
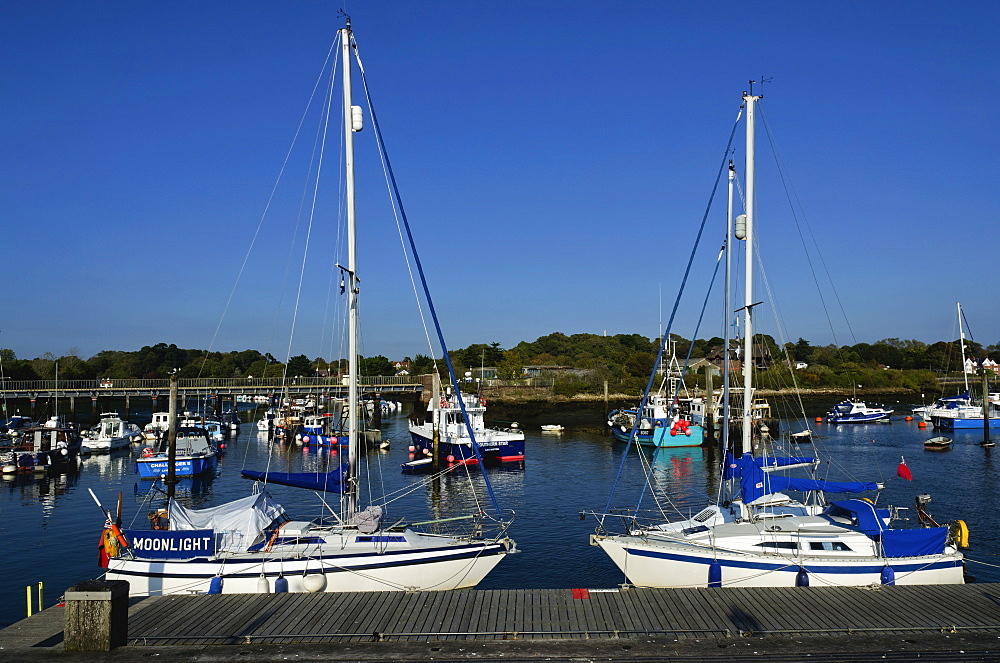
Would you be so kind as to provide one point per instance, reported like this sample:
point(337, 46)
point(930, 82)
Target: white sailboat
point(756, 534)
point(251, 545)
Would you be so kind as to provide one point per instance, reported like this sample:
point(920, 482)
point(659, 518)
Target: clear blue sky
point(555, 158)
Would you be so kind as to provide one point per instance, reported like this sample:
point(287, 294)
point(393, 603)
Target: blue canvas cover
point(914, 542)
point(755, 483)
point(331, 482)
point(732, 470)
point(895, 542)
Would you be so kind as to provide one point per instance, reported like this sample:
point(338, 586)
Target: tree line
point(582, 362)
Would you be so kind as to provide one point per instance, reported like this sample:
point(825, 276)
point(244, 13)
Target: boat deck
point(703, 615)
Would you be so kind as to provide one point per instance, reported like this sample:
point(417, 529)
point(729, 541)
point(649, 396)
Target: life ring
point(482, 401)
point(444, 402)
point(147, 452)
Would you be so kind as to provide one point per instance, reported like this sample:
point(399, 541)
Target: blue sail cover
point(732, 468)
point(755, 482)
point(331, 482)
point(895, 542)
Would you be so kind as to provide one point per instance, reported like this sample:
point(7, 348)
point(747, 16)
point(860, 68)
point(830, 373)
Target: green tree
point(511, 366)
point(300, 365)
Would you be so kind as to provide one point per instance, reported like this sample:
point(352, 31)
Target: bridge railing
point(205, 384)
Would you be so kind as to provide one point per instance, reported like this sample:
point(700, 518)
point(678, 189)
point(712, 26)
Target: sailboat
point(251, 545)
point(961, 411)
point(757, 535)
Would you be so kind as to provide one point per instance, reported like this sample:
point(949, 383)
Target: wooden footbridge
point(233, 389)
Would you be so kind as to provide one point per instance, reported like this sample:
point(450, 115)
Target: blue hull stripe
point(792, 566)
point(476, 551)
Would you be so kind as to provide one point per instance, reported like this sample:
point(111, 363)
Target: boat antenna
point(763, 80)
point(347, 19)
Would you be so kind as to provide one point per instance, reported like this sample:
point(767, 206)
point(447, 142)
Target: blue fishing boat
point(194, 455)
point(455, 443)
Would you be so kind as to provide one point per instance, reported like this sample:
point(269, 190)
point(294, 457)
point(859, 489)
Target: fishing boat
point(857, 412)
point(756, 534)
point(43, 448)
point(252, 545)
point(937, 443)
point(664, 418)
point(458, 421)
point(111, 433)
point(194, 454)
point(552, 428)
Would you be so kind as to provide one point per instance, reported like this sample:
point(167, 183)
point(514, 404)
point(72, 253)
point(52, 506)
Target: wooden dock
point(702, 615)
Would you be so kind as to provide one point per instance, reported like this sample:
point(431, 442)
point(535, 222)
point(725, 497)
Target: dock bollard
point(96, 615)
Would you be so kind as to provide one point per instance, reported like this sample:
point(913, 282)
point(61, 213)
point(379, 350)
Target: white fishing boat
point(252, 545)
point(111, 433)
point(756, 534)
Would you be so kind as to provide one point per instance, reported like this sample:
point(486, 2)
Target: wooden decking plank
point(309, 615)
point(456, 621)
point(687, 616)
point(573, 616)
point(493, 620)
point(661, 614)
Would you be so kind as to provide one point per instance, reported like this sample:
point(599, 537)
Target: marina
point(336, 505)
point(562, 476)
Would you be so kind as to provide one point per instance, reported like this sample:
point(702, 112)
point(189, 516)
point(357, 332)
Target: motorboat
point(857, 412)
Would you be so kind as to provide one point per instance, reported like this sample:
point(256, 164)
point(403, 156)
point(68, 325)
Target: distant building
point(972, 366)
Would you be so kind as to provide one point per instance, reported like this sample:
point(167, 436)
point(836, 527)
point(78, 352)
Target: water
point(51, 524)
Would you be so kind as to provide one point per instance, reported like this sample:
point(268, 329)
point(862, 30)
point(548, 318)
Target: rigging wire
point(423, 279)
point(267, 207)
point(673, 311)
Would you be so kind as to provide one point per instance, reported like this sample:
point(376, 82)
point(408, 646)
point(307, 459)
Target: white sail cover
point(237, 524)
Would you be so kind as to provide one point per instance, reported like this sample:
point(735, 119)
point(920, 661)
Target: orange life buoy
point(444, 402)
point(147, 452)
point(482, 401)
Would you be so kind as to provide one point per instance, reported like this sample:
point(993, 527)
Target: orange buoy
point(819, 419)
point(922, 424)
point(908, 418)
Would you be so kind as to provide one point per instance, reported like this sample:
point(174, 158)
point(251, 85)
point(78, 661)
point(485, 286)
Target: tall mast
point(352, 290)
point(727, 309)
point(750, 101)
point(961, 337)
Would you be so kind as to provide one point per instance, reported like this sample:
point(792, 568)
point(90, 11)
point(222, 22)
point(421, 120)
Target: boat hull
point(441, 568)
point(961, 423)
point(859, 418)
point(648, 564)
point(158, 466)
point(494, 446)
point(663, 436)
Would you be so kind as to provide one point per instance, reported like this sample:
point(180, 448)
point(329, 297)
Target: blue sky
point(555, 159)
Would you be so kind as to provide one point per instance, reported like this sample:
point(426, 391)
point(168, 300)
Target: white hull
point(456, 566)
point(109, 444)
point(655, 564)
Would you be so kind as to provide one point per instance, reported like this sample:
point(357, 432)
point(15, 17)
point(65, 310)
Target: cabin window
point(829, 545)
point(782, 545)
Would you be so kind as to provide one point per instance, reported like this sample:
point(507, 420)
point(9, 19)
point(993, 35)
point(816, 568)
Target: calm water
point(52, 525)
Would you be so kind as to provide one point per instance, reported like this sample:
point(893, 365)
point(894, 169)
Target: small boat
point(552, 428)
point(801, 437)
point(939, 443)
point(455, 443)
point(194, 455)
point(856, 412)
point(112, 433)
